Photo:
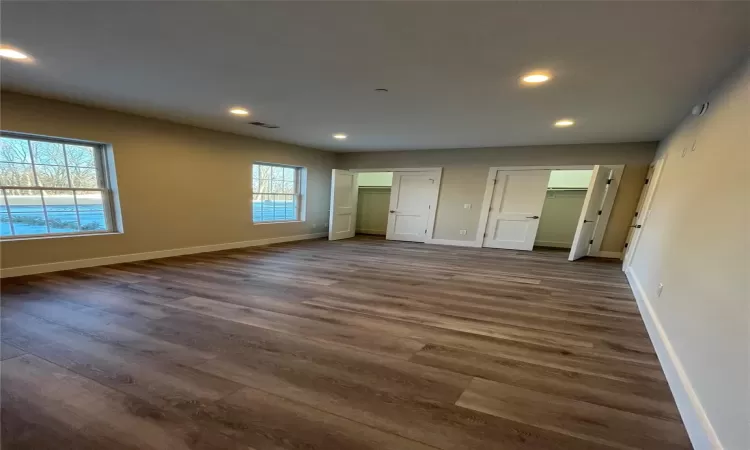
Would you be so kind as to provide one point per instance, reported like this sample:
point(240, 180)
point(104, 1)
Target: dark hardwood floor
point(354, 344)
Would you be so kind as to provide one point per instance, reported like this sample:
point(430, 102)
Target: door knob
point(392, 211)
point(532, 217)
point(587, 221)
point(635, 226)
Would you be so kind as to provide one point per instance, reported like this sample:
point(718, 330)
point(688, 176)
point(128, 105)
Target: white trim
point(601, 254)
point(701, 432)
point(578, 167)
point(453, 242)
point(130, 257)
point(407, 169)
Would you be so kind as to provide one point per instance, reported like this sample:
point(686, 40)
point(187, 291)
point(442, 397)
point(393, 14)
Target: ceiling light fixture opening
point(12, 53)
point(239, 111)
point(562, 123)
point(536, 78)
point(340, 136)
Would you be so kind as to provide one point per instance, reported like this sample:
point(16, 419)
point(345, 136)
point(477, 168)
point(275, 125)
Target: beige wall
point(696, 242)
point(559, 218)
point(372, 210)
point(623, 209)
point(465, 173)
point(179, 186)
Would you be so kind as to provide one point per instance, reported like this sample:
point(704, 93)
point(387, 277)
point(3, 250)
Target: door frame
point(490, 187)
point(437, 172)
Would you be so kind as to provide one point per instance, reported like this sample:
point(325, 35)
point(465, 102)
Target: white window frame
point(300, 186)
point(104, 165)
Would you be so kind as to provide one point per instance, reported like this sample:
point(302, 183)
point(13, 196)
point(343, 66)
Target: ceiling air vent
point(263, 124)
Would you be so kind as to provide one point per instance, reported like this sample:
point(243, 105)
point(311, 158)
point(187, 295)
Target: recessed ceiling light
point(12, 53)
point(340, 136)
point(239, 111)
point(562, 123)
point(535, 78)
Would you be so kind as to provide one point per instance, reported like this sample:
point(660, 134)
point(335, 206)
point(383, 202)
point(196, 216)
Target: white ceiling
point(626, 71)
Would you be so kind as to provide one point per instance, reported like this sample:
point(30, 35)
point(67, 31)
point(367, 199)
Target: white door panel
point(343, 215)
point(590, 212)
point(413, 194)
point(516, 204)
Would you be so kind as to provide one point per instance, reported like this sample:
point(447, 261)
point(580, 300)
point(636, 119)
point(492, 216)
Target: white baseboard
point(555, 244)
point(699, 428)
point(600, 254)
point(452, 242)
point(130, 257)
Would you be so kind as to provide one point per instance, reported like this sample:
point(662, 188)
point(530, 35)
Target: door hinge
point(485, 234)
point(591, 242)
point(425, 231)
point(626, 245)
point(609, 181)
point(636, 214)
point(494, 181)
point(599, 213)
point(646, 181)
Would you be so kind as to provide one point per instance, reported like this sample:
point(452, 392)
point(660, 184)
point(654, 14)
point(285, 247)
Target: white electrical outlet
point(462, 232)
point(659, 289)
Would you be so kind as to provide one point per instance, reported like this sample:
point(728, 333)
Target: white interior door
point(590, 213)
point(342, 223)
point(413, 196)
point(643, 211)
point(517, 201)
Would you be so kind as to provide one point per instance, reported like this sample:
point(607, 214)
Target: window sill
point(278, 222)
point(56, 236)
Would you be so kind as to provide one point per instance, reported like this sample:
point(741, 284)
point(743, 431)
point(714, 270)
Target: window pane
point(80, 155)
point(256, 171)
point(265, 171)
point(289, 174)
point(83, 177)
point(256, 185)
point(61, 211)
point(91, 210)
point(264, 185)
point(12, 174)
point(5, 229)
point(52, 176)
point(48, 153)
point(277, 173)
point(14, 150)
point(27, 212)
point(288, 187)
point(277, 186)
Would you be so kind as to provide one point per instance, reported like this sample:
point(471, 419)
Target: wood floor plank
point(360, 343)
point(603, 425)
point(300, 326)
point(644, 397)
point(158, 381)
point(9, 351)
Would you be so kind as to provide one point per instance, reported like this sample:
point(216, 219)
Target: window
point(52, 187)
point(276, 193)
